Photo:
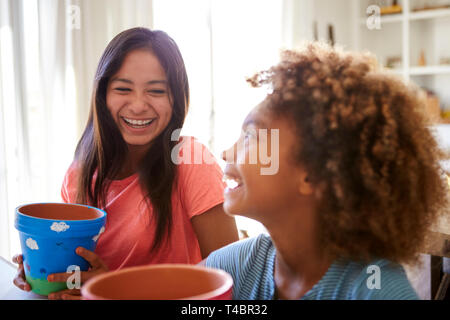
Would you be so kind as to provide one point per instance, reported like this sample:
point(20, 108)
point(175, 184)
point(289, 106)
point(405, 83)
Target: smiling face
point(255, 195)
point(138, 98)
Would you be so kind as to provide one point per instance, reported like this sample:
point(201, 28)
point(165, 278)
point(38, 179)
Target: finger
point(93, 259)
point(68, 294)
point(19, 281)
point(71, 297)
point(21, 284)
point(58, 277)
point(21, 271)
point(64, 276)
point(17, 259)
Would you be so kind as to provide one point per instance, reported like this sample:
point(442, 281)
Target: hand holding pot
point(20, 280)
point(97, 267)
point(50, 234)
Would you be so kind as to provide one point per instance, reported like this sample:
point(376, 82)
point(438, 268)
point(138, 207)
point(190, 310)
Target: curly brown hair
point(367, 148)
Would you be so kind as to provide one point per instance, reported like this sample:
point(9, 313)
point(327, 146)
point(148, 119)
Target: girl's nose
point(223, 155)
point(229, 155)
point(139, 105)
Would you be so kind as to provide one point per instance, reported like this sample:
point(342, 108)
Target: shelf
point(391, 18)
point(429, 70)
point(398, 71)
point(398, 17)
point(423, 71)
point(406, 34)
point(413, 16)
point(429, 14)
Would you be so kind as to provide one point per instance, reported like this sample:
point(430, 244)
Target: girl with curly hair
point(358, 184)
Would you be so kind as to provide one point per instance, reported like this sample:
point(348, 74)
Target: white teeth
point(138, 122)
point(231, 183)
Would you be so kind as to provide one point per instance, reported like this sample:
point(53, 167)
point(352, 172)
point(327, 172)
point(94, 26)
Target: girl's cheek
point(248, 155)
point(161, 105)
point(113, 102)
point(165, 114)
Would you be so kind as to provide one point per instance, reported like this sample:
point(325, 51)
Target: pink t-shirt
point(129, 229)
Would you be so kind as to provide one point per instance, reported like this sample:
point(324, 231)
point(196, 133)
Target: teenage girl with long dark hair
point(159, 211)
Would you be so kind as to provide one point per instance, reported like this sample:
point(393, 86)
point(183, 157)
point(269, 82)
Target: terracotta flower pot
point(49, 234)
point(160, 282)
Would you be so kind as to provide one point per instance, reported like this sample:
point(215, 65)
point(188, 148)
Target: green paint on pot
point(44, 287)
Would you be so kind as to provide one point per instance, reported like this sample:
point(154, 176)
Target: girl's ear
point(305, 186)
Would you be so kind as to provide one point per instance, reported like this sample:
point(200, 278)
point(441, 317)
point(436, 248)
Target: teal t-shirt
point(251, 264)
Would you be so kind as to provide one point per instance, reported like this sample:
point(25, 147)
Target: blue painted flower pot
point(49, 234)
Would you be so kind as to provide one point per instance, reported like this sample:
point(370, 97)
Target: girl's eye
point(249, 134)
point(156, 91)
point(123, 89)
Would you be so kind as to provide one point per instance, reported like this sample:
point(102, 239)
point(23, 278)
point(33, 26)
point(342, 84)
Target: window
point(222, 43)
point(38, 113)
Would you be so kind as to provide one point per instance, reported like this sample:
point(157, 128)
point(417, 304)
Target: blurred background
point(49, 50)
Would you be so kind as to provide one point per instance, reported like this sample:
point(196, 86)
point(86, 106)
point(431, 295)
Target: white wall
point(337, 13)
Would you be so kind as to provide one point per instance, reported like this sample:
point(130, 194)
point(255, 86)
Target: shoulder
point(250, 263)
point(73, 170)
point(195, 163)
point(189, 150)
point(381, 280)
point(353, 280)
point(199, 177)
point(71, 175)
point(241, 252)
point(69, 185)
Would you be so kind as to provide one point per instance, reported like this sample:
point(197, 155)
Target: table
point(8, 291)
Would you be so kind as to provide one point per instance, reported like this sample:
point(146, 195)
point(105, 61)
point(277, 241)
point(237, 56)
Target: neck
point(299, 263)
point(134, 157)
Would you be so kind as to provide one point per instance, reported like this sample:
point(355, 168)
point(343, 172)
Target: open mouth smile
point(232, 182)
point(138, 124)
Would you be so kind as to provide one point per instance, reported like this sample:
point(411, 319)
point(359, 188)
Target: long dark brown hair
point(102, 150)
